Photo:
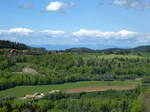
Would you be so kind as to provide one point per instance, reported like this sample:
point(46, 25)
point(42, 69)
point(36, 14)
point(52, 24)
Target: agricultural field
point(100, 88)
point(21, 91)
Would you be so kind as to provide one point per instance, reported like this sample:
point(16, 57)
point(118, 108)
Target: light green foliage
point(71, 67)
point(3, 109)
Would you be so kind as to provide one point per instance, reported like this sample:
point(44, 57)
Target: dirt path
point(99, 88)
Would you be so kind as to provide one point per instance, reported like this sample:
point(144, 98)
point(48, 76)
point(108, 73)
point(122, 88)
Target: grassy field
point(130, 56)
point(20, 91)
point(109, 56)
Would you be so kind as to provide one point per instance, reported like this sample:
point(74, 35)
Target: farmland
point(20, 91)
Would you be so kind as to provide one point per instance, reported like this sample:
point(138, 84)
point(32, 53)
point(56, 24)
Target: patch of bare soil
point(99, 88)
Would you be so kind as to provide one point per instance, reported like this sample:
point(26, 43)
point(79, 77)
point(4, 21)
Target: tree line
point(136, 100)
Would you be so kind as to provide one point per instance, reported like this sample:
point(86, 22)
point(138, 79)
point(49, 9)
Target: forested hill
point(13, 48)
point(138, 49)
point(13, 45)
point(141, 49)
point(105, 51)
point(4, 44)
point(82, 49)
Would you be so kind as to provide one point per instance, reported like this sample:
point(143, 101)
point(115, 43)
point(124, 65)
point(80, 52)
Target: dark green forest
point(12, 45)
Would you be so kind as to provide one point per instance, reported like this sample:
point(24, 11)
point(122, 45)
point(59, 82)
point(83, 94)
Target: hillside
point(139, 49)
point(12, 45)
point(13, 48)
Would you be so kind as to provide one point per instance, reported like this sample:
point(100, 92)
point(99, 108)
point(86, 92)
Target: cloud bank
point(135, 4)
point(96, 33)
point(19, 31)
point(82, 37)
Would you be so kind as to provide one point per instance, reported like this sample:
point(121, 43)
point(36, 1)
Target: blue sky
point(76, 23)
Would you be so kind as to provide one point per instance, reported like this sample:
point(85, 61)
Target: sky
point(61, 24)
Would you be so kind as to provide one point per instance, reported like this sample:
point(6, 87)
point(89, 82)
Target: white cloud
point(84, 32)
point(97, 33)
point(25, 31)
point(120, 2)
point(58, 6)
point(22, 31)
point(126, 33)
point(53, 32)
point(135, 4)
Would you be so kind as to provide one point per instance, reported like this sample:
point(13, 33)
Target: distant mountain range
point(64, 47)
point(112, 50)
point(14, 45)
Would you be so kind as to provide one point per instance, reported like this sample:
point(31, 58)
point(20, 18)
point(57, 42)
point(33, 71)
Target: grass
point(20, 91)
point(130, 56)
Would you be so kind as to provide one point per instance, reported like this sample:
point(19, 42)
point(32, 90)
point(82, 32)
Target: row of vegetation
point(70, 67)
point(137, 100)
